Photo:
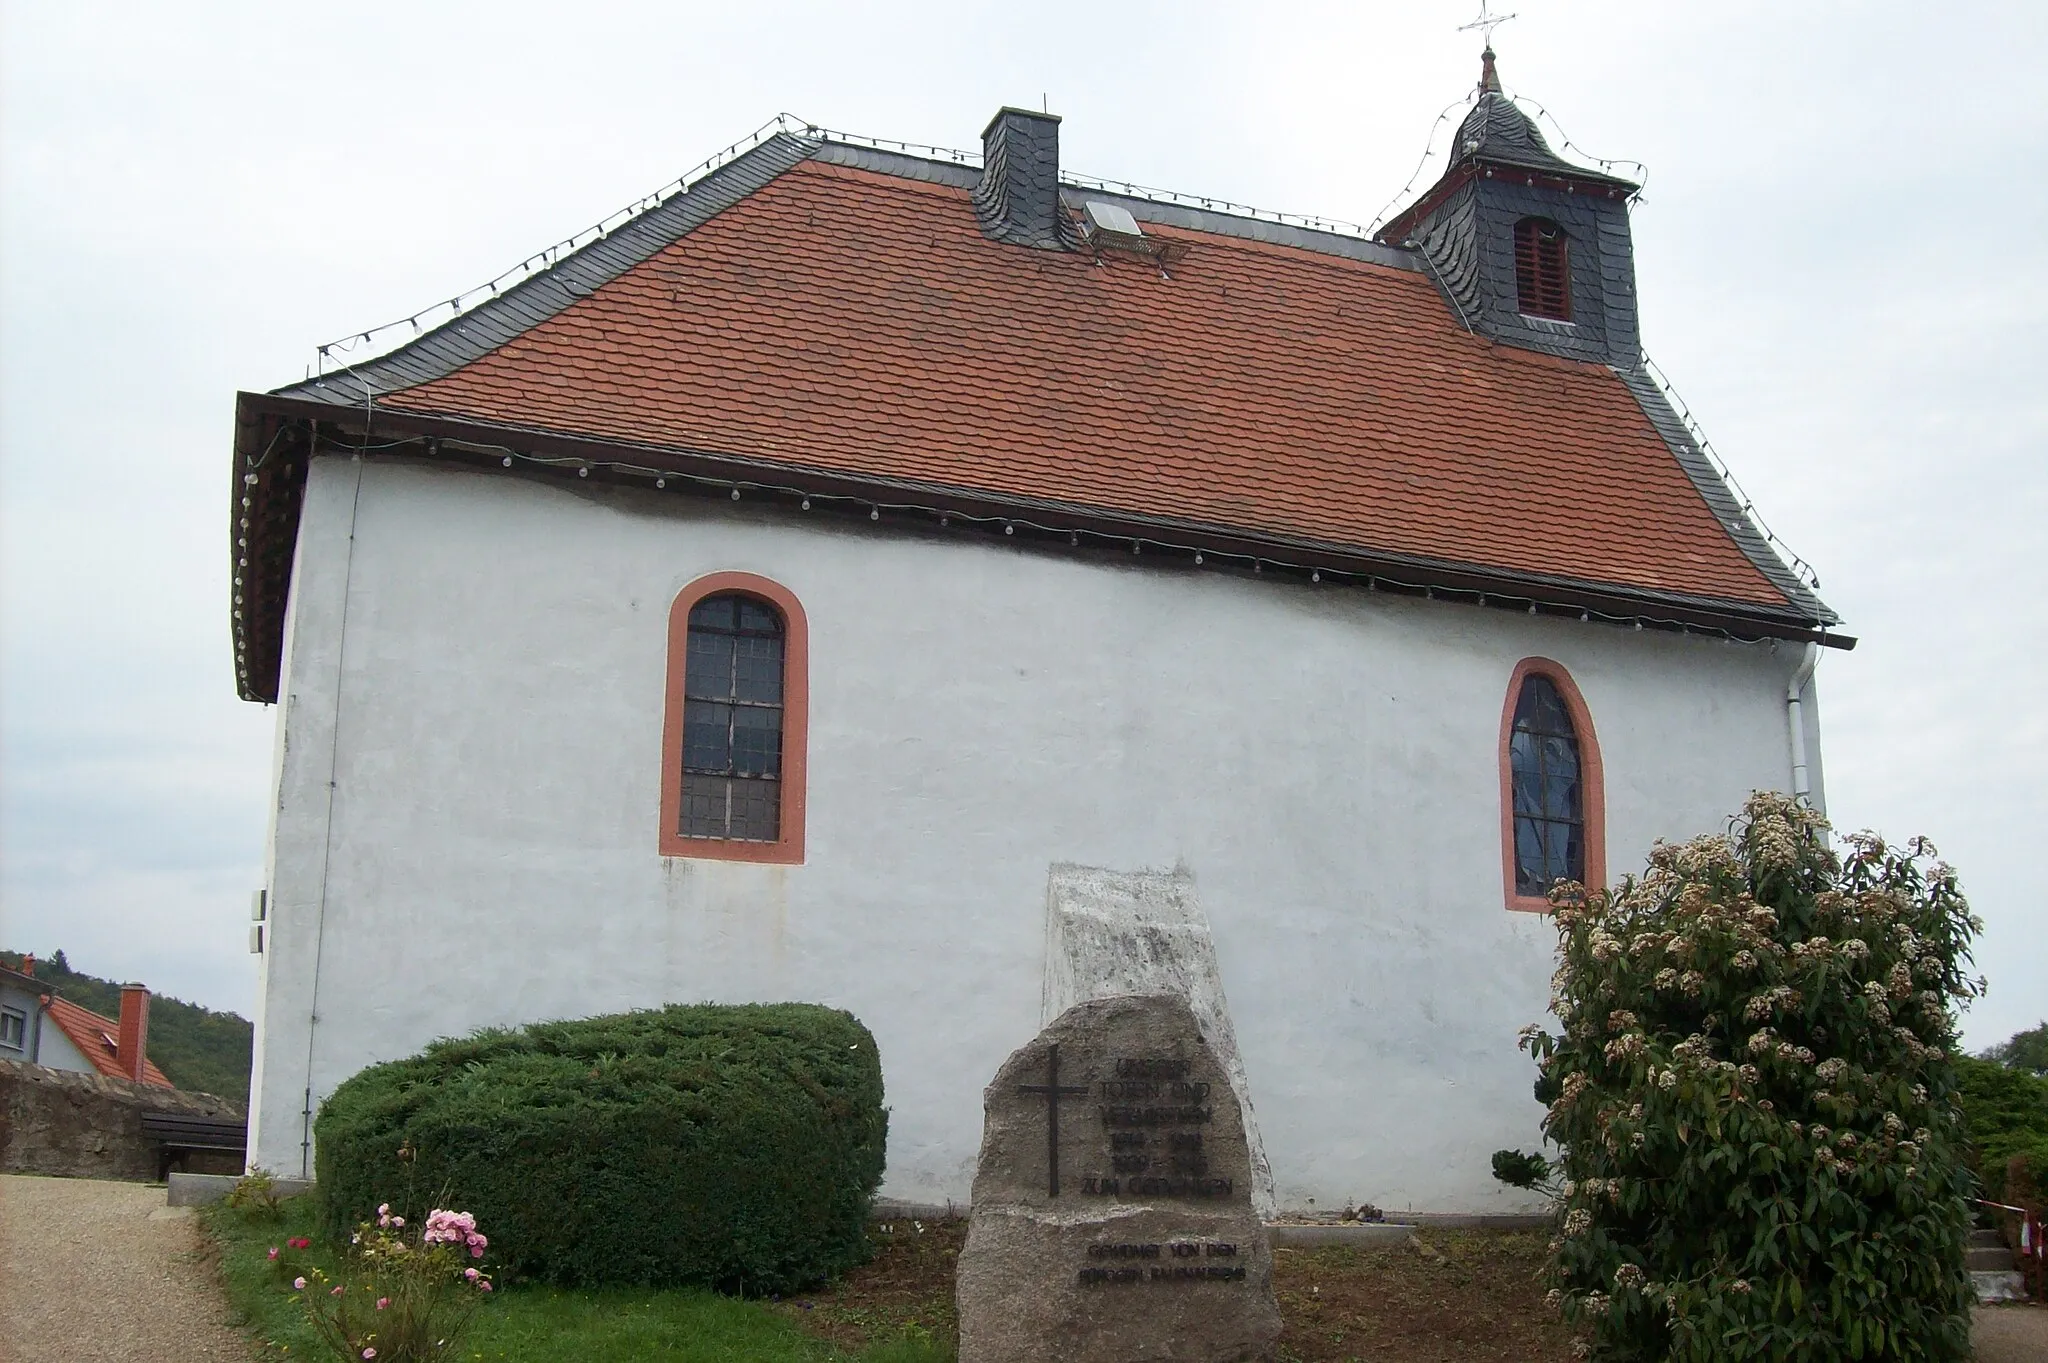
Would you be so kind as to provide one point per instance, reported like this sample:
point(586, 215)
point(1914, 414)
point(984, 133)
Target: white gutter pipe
point(1795, 716)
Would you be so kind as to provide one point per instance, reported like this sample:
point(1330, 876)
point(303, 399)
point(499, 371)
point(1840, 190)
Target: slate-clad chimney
point(1018, 199)
point(1508, 210)
point(131, 1047)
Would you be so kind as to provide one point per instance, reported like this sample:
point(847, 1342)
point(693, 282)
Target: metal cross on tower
point(1053, 1092)
point(1486, 23)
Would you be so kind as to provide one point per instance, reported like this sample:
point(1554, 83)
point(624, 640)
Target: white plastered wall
point(480, 677)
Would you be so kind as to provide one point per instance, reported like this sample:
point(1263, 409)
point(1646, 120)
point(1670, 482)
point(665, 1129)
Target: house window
point(1543, 269)
point(13, 1029)
point(1551, 790)
point(735, 722)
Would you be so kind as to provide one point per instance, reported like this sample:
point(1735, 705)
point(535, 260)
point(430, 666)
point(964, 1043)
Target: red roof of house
point(852, 322)
point(94, 1037)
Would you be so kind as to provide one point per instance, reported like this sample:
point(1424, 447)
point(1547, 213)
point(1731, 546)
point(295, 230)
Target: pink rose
point(273, 1251)
point(485, 1285)
point(470, 1274)
point(336, 1292)
point(299, 1283)
point(383, 1209)
point(369, 1353)
point(383, 1302)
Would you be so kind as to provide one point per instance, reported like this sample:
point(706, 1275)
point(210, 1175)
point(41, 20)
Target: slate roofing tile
point(845, 320)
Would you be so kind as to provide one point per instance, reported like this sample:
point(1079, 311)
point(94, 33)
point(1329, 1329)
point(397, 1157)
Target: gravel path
point(105, 1271)
point(2009, 1334)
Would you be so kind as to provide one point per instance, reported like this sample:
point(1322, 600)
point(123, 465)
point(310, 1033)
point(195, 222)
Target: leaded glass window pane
point(732, 720)
point(1549, 797)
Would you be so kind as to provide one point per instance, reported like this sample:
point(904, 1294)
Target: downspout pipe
point(1795, 717)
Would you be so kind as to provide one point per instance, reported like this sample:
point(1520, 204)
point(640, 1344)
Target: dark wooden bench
point(177, 1132)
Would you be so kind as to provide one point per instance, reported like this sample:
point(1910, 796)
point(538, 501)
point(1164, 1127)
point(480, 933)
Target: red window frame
point(788, 846)
point(1592, 785)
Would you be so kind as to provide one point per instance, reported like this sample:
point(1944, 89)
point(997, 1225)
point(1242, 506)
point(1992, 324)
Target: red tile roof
point(846, 320)
point(94, 1036)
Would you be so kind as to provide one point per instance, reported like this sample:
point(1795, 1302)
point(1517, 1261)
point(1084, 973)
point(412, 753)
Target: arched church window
point(733, 759)
point(1543, 269)
point(1551, 786)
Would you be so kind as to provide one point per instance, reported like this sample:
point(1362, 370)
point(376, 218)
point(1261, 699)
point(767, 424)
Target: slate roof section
point(1496, 130)
point(94, 1035)
point(819, 308)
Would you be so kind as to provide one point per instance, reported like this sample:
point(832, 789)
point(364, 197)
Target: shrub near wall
point(733, 1146)
point(1756, 1096)
point(2007, 1112)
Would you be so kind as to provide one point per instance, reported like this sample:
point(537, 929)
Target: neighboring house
point(782, 594)
point(21, 1015)
point(43, 1029)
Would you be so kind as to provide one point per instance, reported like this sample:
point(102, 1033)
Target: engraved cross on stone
point(1052, 1091)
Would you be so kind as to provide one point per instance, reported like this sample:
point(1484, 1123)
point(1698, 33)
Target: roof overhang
point(276, 438)
point(1483, 167)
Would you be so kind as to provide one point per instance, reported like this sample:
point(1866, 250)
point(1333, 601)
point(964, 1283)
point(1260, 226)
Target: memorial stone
point(1112, 1218)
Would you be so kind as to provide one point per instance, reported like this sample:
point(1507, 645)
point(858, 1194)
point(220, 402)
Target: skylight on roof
point(1114, 219)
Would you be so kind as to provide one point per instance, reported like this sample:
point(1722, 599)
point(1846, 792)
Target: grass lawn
point(1452, 1297)
point(536, 1324)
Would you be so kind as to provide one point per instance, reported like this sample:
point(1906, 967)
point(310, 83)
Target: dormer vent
point(1018, 199)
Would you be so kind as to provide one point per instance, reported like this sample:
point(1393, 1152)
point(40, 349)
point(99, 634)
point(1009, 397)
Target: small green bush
point(737, 1147)
point(1755, 1092)
point(2007, 1112)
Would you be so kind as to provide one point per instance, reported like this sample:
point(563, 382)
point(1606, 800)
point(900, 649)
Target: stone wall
point(89, 1126)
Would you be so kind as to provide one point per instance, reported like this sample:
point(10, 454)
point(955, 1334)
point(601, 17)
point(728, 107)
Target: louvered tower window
point(1549, 793)
point(732, 720)
point(1543, 280)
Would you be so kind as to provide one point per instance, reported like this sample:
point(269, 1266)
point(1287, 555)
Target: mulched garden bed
point(1450, 1297)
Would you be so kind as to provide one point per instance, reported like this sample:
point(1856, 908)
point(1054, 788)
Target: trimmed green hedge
point(735, 1146)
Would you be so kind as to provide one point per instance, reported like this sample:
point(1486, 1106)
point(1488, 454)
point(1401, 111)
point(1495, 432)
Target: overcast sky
point(1840, 257)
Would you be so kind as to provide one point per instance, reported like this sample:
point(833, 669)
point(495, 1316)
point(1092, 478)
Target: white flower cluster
point(1629, 1047)
point(1778, 998)
point(1901, 979)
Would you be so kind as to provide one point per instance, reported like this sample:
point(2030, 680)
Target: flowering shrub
point(1754, 1091)
point(397, 1300)
point(289, 1261)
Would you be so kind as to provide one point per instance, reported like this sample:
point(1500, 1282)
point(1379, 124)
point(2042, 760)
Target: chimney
point(1018, 199)
point(28, 963)
point(130, 1052)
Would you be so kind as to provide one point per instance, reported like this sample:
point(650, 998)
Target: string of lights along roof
point(1344, 539)
point(546, 259)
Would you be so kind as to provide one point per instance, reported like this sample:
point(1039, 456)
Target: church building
point(937, 586)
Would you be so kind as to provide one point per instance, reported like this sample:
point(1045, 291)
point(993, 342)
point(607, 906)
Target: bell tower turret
point(1530, 249)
